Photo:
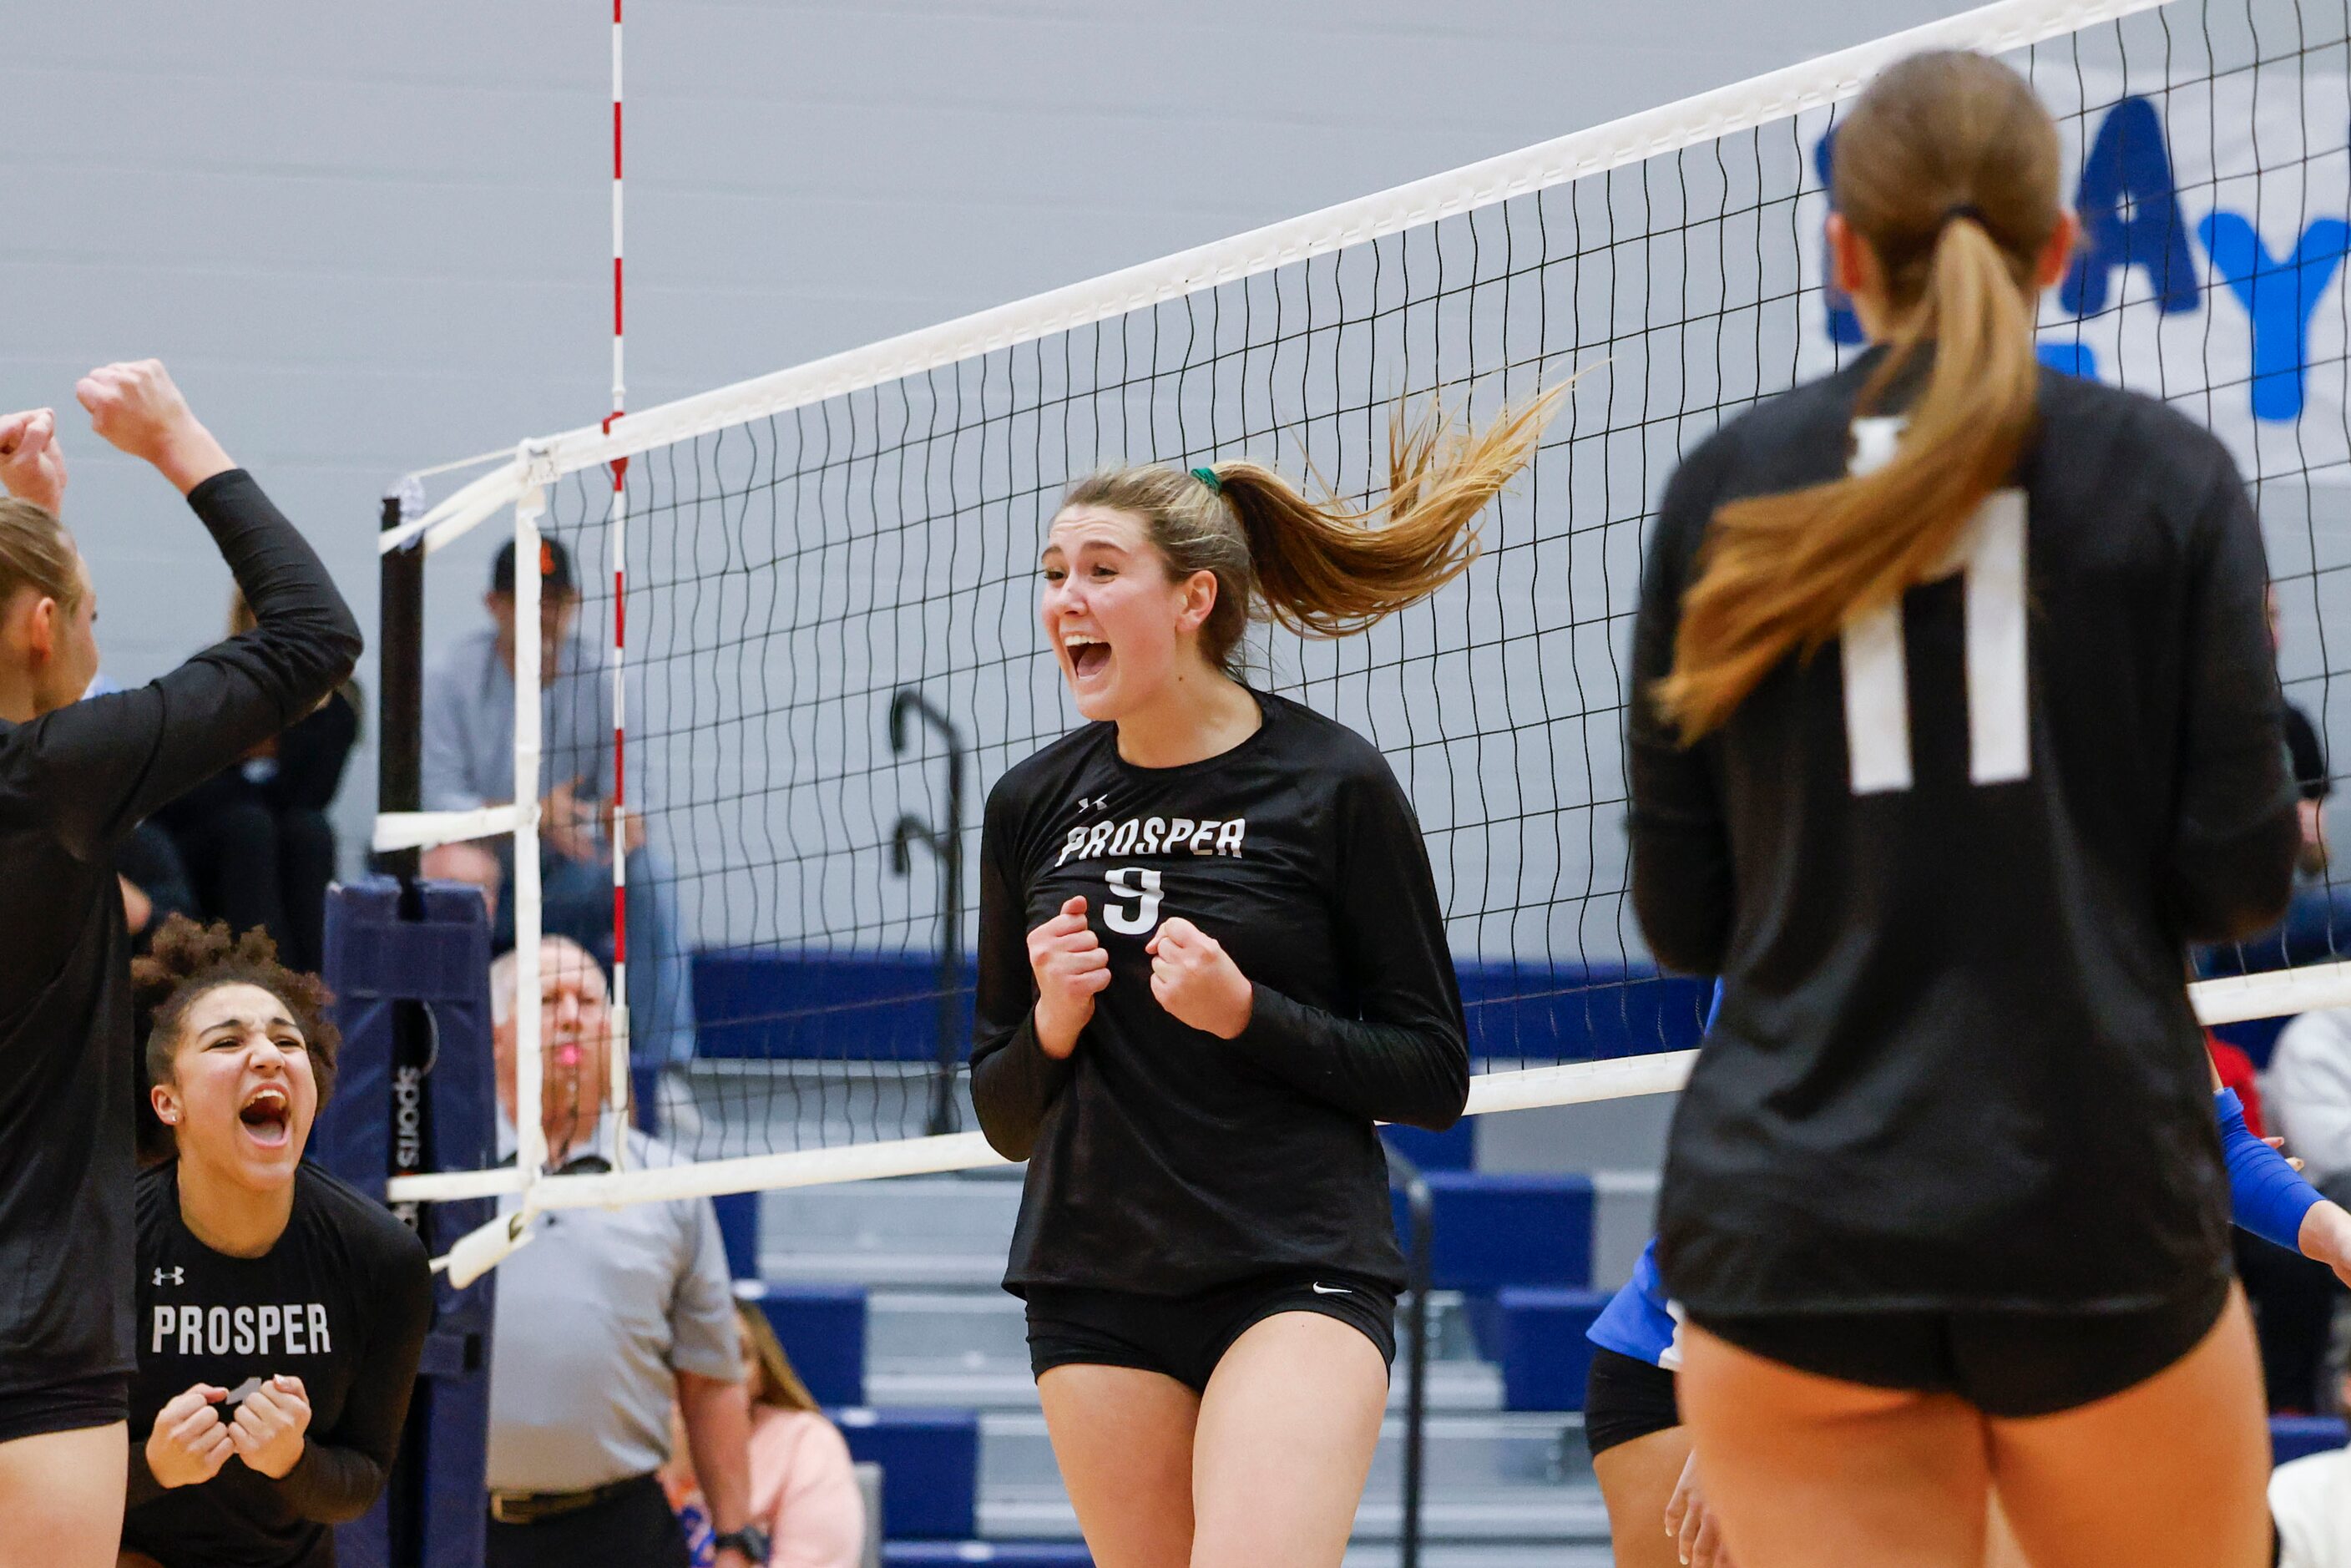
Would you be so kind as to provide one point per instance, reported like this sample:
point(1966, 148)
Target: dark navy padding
point(432, 1514)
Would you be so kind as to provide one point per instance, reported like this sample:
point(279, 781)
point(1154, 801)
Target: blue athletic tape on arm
point(2266, 1195)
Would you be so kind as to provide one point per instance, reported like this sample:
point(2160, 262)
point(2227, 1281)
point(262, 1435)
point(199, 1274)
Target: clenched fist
point(135, 407)
point(1072, 968)
point(32, 464)
point(269, 1424)
point(190, 1442)
point(1197, 980)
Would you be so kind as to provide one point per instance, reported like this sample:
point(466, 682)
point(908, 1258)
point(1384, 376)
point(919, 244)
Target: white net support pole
point(530, 1145)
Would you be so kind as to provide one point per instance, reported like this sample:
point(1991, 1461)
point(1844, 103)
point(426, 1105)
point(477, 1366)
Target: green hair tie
point(1209, 477)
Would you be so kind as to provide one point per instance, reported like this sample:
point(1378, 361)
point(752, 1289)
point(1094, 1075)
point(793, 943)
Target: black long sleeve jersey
point(342, 1302)
point(1947, 870)
point(1163, 1160)
point(73, 783)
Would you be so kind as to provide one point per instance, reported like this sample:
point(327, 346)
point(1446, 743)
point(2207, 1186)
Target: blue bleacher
point(2295, 1436)
point(822, 1328)
point(1001, 1553)
point(1538, 1340)
point(835, 1006)
point(1530, 1227)
point(930, 1468)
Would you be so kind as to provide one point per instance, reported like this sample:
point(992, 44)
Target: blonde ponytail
point(1324, 569)
point(1782, 573)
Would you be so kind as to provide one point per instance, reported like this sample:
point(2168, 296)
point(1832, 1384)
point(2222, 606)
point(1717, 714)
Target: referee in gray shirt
point(601, 1320)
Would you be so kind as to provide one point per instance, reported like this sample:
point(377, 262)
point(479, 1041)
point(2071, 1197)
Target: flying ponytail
point(1324, 569)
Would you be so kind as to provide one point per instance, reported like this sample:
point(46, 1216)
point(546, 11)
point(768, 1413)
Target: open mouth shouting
point(1088, 658)
point(267, 1116)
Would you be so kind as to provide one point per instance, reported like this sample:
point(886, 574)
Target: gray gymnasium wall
point(372, 238)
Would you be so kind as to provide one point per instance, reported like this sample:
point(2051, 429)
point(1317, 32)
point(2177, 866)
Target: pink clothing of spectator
point(804, 1490)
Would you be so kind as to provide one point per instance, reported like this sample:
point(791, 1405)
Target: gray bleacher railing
point(947, 844)
point(1420, 1268)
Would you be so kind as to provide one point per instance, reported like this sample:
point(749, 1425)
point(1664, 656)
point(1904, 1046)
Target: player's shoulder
point(154, 1193)
point(1800, 437)
point(361, 1223)
point(2107, 435)
point(1047, 774)
point(1334, 748)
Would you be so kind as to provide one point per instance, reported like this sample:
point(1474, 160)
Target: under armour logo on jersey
point(1099, 804)
point(176, 1276)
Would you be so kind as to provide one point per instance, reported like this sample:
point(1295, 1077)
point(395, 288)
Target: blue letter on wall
point(1844, 327)
point(2279, 296)
point(2130, 215)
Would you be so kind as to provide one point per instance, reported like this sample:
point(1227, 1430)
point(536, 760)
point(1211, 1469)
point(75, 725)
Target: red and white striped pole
point(620, 1086)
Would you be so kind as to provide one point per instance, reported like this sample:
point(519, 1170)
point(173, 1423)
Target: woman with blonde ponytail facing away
point(1953, 723)
point(1211, 958)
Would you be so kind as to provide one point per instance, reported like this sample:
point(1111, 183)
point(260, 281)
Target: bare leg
point(1637, 1481)
point(1123, 1438)
point(2000, 1550)
point(1285, 1440)
point(1806, 1470)
point(2170, 1473)
point(61, 1495)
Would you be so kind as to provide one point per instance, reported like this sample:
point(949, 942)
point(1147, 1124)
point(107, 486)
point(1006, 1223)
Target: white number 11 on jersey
point(1990, 553)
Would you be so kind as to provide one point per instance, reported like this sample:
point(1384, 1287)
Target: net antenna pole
point(947, 844)
point(617, 1090)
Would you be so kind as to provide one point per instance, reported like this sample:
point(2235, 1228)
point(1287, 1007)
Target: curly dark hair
point(184, 961)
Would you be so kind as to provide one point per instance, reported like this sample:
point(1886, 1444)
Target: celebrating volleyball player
point(1211, 956)
point(280, 1313)
point(75, 777)
point(1944, 1202)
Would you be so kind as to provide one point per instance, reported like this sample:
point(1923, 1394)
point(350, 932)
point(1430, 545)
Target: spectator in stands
point(2310, 1096)
point(803, 1485)
point(255, 838)
point(601, 1321)
point(2317, 926)
point(2310, 1505)
point(469, 763)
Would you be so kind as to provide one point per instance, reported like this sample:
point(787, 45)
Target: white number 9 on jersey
point(1140, 884)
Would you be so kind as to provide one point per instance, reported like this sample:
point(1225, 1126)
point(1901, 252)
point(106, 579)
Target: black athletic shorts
point(1624, 1399)
point(69, 1406)
point(2009, 1364)
point(1185, 1336)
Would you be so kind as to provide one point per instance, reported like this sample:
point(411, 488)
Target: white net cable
point(831, 568)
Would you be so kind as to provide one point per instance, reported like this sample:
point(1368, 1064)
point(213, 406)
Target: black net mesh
point(794, 580)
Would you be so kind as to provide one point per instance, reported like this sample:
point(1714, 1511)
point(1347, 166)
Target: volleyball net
point(829, 649)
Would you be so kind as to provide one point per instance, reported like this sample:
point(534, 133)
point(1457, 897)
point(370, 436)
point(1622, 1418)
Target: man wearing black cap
point(469, 763)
